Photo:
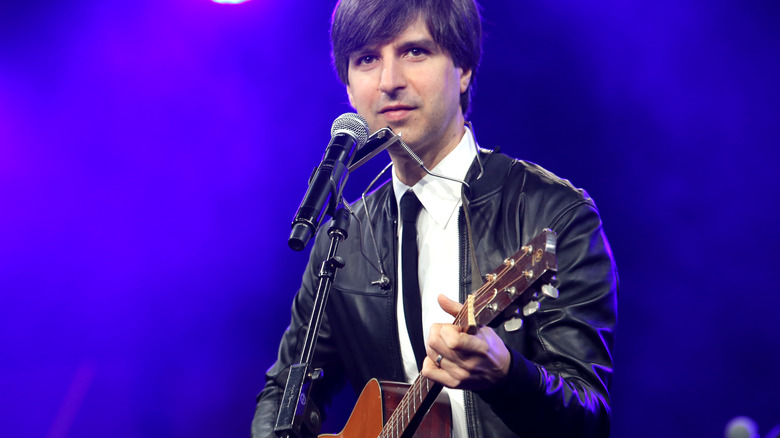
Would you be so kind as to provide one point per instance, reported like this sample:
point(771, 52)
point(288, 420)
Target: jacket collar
point(495, 167)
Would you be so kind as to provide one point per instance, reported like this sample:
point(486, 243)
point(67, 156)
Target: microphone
point(348, 133)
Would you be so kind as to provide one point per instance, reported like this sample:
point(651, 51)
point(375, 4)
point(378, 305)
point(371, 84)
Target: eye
point(417, 53)
point(365, 59)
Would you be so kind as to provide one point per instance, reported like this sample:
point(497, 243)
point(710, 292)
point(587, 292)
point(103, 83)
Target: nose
point(392, 77)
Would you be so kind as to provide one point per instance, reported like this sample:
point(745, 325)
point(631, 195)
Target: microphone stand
point(296, 411)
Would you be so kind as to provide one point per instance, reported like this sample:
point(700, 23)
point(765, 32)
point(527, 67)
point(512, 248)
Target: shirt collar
point(440, 197)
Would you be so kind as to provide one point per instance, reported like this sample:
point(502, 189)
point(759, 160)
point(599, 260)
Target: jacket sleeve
point(559, 385)
point(290, 350)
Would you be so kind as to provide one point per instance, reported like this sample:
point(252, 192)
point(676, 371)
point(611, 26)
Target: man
point(410, 65)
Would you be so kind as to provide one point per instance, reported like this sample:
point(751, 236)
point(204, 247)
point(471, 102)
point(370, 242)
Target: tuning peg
point(549, 291)
point(513, 324)
point(514, 321)
point(511, 291)
point(530, 308)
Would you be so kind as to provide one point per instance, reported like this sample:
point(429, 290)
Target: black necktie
point(410, 208)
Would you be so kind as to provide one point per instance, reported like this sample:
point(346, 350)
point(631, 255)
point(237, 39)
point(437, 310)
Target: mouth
point(394, 113)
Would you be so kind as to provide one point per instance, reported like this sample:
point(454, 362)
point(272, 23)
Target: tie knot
point(410, 207)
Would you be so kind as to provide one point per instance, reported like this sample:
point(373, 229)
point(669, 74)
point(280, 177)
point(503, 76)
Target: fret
point(532, 264)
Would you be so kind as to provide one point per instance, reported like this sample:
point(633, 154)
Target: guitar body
point(378, 401)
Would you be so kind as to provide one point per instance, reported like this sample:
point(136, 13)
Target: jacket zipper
point(399, 363)
point(465, 260)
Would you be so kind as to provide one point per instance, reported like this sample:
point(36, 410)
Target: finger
point(449, 306)
point(450, 336)
point(448, 374)
point(433, 345)
point(437, 373)
point(428, 363)
point(439, 359)
point(434, 342)
point(461, 348)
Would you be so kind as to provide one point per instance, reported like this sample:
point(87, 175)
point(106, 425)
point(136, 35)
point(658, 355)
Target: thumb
point(449, 306)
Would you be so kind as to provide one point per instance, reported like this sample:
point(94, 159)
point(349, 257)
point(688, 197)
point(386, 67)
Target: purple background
point(152, 154)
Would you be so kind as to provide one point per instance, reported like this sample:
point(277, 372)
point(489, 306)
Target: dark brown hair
point(455, 25)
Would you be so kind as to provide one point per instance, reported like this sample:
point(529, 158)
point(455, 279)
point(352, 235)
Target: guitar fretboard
point(503, 286)
point(422, 393)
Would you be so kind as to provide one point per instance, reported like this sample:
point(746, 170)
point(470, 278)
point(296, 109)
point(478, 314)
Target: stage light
point(230, 2)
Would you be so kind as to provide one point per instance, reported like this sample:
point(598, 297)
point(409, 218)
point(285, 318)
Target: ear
point(465, 79)
point(349, 95)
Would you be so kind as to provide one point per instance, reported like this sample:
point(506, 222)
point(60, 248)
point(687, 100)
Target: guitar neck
point(410, 411)
point(515, 283)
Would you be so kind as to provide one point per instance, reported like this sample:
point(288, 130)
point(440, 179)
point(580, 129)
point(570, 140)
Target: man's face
point(412, 85)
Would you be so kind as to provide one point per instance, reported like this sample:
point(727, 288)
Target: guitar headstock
point(523, 281)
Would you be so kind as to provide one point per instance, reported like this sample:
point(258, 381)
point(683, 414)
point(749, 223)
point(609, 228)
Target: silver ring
point(438, 361)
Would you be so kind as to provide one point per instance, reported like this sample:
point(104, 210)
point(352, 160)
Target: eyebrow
point(425, 43)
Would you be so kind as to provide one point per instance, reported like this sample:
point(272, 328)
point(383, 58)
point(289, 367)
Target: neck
point(407, 169)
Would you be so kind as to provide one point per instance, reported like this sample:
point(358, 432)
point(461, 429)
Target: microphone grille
point(351, 124)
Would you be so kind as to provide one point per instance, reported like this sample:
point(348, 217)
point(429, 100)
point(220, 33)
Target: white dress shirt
point(438, 264)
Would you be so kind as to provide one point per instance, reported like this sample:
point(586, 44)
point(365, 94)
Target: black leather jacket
point(561, 358)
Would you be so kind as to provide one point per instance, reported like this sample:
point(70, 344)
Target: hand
point(474, 362)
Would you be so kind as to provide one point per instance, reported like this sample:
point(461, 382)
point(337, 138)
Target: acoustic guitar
point(514, 289)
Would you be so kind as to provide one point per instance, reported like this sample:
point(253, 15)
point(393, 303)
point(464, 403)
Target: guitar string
point(396, 419)
point(481, 297)
point(485, 294)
